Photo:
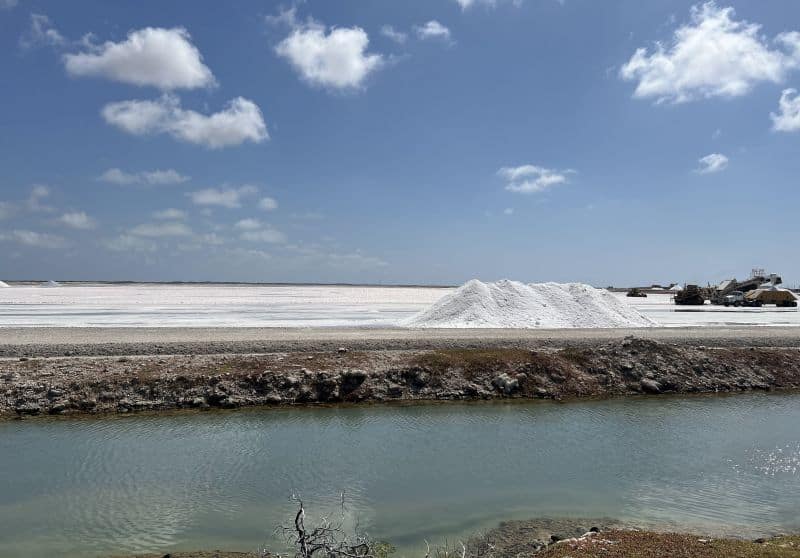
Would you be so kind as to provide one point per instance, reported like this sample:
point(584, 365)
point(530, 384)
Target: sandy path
point(16, 342)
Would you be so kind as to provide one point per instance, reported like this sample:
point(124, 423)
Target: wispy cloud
point(711, 163)
point(77, 220)
point(158, 230)
point(34, 239)
point(230, 198)
point(433, 30)
point(41, 32)
point(393, 34)
point(528, 179)
point(154, 177)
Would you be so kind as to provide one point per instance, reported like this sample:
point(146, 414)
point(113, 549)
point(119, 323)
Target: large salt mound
point(511, 304)
point(4, 285)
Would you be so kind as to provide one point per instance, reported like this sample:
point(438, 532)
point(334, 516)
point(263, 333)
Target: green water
point(224, 480)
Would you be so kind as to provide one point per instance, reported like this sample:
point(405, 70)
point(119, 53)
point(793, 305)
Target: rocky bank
point(79, 385)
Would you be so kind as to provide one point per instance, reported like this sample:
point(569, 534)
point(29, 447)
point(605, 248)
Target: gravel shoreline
point(573, 367)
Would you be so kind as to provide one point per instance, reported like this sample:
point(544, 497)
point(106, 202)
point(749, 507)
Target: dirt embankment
point(39, 386)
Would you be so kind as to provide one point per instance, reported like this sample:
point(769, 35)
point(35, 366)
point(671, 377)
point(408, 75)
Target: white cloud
point(35, 239)
point(240, 121)
point(528, 179)
point(77, 220)
point(162, 58)
point(432, 30)
point(712, 56)
point(393, 34)
point(129, 243)
point(336, 59)
point(8, 4)
point(248, 224)
point(711, 163)
point(170, 215)
point(508, 211)
point(222, 197)
point(41, 32)
point(155, 177)
point(268, 235)
point(268, 204)
point(788, 119)
point(157, 230)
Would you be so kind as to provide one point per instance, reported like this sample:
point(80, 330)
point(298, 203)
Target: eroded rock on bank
point(40, 386)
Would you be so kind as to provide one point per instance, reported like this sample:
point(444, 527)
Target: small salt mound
point(51, 284)
point(511, 304)
point(4, 285)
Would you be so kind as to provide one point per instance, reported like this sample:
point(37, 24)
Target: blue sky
point(399, 142)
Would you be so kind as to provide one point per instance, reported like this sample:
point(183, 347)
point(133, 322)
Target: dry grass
point(639, 544)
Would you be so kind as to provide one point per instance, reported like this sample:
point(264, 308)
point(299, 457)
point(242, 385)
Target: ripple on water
point(148, 483)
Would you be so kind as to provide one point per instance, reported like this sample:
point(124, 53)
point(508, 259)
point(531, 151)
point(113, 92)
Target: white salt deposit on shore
point(4, 285)
point(511, 304)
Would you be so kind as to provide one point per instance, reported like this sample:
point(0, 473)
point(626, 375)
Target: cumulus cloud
point(157, 230)
point(34, 239)
point(154, 177)
point(432, 30)
point(713, 162)
point(8, 4)
point(41, 33)
point(711, 56)
point(529, 179)
point(240, 121)
point(393, 34)
point(335, 58)
point(153, 56)
point(170, 215)
point(508, 211)
point(77, 220)
point(222, 197)
point(788, 117)
point(268, 204)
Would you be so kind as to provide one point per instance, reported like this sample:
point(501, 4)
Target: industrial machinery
point(691, 295)
point(757, 279)
point(636, 292)
point(760, 297)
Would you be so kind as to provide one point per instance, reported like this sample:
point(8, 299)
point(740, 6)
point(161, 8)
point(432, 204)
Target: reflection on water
point(223, 480)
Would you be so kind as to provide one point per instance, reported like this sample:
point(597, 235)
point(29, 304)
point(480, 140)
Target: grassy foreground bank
point(95, 385)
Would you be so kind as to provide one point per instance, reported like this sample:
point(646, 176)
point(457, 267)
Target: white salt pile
point(4, 285)
point(51, 284)
point(511, 304)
